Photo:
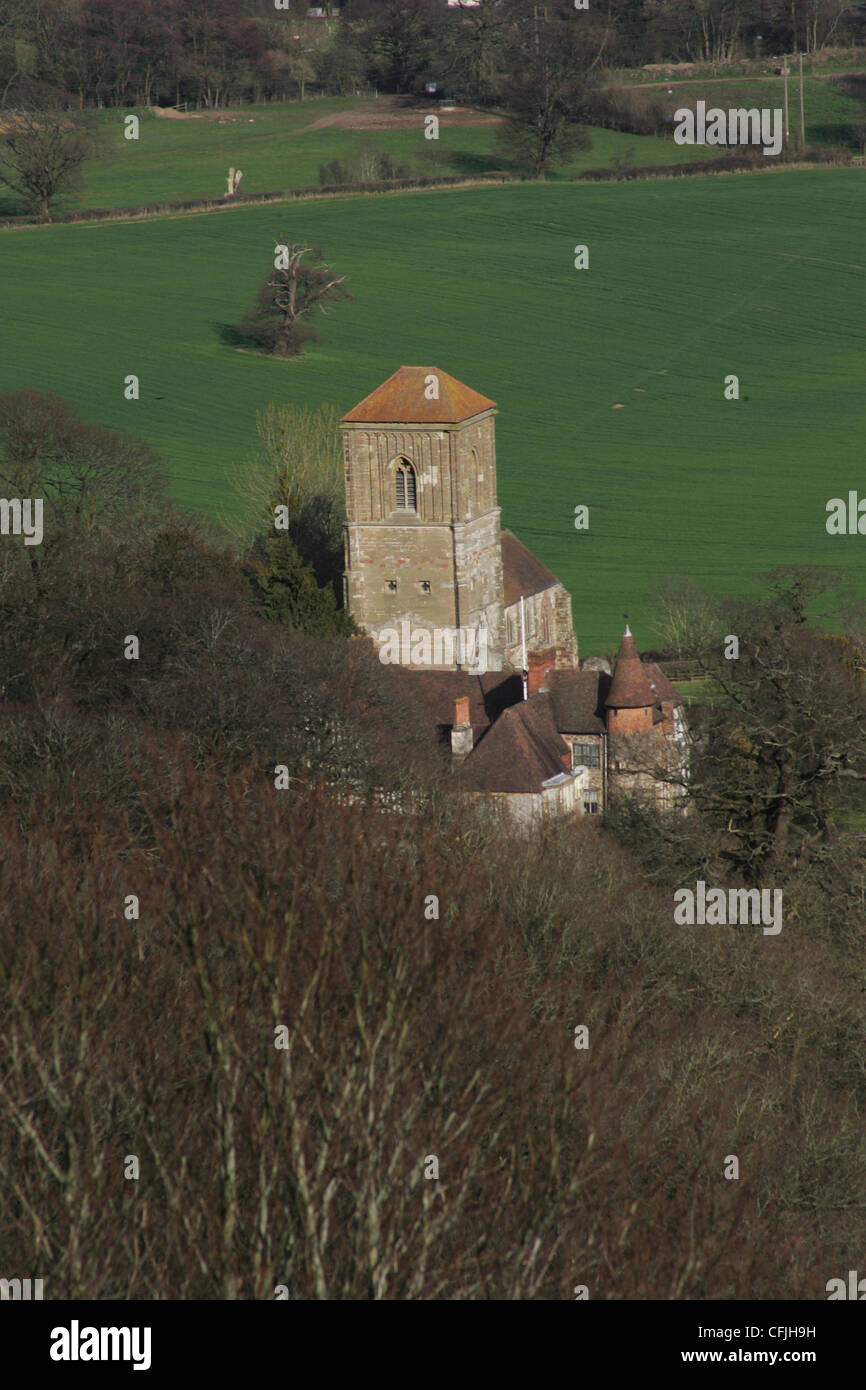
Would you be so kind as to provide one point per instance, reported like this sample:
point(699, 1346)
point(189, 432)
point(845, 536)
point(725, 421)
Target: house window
point(545, 629)
point(406, 491)
point(425, 586)
point(585, 755)
point(511, 632)
point(590, 803)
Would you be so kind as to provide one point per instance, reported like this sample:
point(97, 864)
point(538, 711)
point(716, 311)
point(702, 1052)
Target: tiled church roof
point(522, 572)
point(401, 400)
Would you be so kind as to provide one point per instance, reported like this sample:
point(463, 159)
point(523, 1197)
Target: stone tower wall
point(446, 558)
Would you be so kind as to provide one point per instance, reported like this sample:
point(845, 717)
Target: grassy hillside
point(827, 109)
point(276, 148)
point(609, 381)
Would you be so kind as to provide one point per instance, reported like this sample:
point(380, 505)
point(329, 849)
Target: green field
point(609, 381)
point(273, 145)
point(827, 109)
point(697, 692)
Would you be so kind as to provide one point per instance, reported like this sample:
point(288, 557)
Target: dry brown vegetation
point(410, 1035)
point(408, 1038)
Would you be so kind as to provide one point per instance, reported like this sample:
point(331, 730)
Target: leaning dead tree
point(294, 291)
point(233, 179)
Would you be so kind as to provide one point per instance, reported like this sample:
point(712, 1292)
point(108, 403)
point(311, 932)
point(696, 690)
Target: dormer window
point(406, 491)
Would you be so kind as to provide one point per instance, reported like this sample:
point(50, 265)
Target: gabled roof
point(435, 693)
point(520, 751)
point(402, 400)
point(630, 688)
point(522, 572)
point(578, 700)
point(661, 686)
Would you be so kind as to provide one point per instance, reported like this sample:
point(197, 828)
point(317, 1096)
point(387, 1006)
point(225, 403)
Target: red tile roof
point(402, 400)
point(522, 573)
point(435, 694)
point(578, 700)
point(661, 685)
point(518, 753)
point(630, 688)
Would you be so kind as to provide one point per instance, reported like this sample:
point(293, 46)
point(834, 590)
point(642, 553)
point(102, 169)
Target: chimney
point(540, 664)
point(461, 732)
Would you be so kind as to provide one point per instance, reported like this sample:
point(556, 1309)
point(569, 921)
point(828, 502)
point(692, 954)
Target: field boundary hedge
point(222, 204)
point(731, 164)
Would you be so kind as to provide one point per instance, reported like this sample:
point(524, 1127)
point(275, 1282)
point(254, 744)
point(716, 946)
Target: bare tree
point(688, 619)
point(295, 290)
point(41, 156)
point(780, 745)
point(89, 471)
point(549, 68)
point(299, 465)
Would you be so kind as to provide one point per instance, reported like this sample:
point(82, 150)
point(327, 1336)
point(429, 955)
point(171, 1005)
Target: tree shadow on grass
point(465, 162)
point(841, 133)
point(230, 336)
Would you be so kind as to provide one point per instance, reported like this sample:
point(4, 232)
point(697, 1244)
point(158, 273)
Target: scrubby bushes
point(624, 108)
point(375, 1098)
point(339, 1043)
point(366, 164)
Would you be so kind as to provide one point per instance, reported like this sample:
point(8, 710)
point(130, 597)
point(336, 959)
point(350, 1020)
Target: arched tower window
point(406, 490)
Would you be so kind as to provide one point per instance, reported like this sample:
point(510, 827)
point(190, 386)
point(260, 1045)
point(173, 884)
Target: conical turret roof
point(630, 687)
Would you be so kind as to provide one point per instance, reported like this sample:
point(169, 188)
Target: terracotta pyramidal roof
point(630, 688)
point(403, 399)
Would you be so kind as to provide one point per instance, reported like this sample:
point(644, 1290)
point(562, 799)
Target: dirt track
point(383, 113)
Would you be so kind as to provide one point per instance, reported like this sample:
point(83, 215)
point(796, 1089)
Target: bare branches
point(295, 289)
point(41, 155)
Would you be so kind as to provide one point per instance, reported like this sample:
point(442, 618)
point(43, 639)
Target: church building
point(484, 627)
point(423, 540)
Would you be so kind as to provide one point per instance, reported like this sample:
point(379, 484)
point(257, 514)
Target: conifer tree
point(289, 593)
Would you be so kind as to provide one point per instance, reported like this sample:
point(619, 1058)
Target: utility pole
point(524, 672)
point(537, 12)
point(785, 76)
point(802, 121)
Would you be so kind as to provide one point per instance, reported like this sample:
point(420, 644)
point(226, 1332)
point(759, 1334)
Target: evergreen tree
point(289, 594)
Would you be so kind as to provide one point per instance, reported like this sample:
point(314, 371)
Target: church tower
point(422, 536)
